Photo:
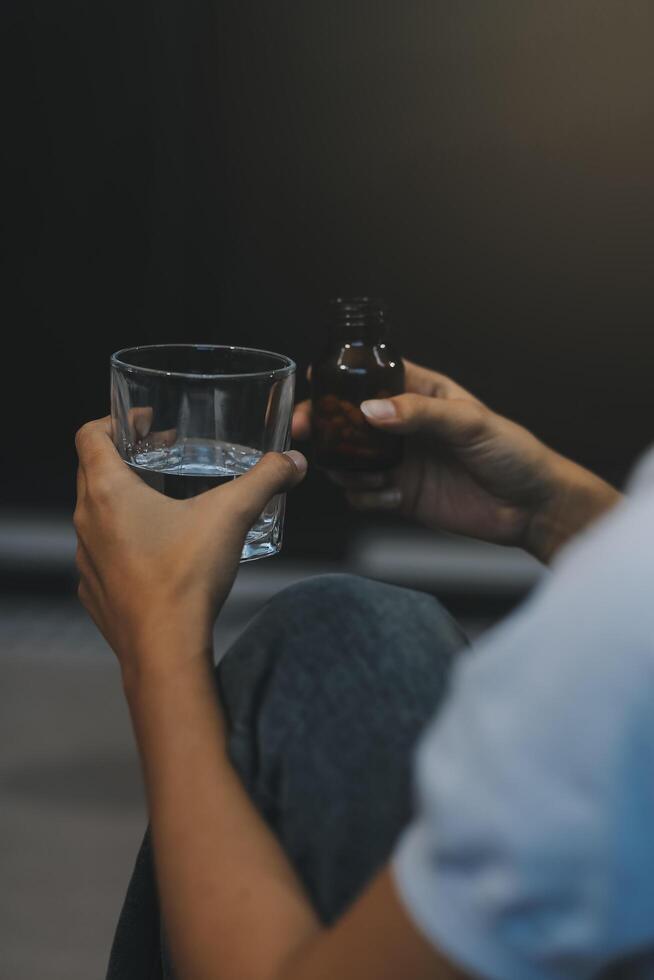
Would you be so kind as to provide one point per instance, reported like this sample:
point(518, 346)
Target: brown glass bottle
point(358, 363)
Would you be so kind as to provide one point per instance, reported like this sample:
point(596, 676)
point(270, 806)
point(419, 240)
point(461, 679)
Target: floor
point(71, 804)
point(71, 809)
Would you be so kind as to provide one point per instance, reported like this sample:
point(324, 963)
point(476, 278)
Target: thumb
point(455, 420)
point(274, 473)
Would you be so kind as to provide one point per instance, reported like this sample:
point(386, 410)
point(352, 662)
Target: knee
point(350, 616)
point(340, 633)
point(330, 667)
point(299, 624)
point(322, 597)
point(336, 596)
point(325, 619)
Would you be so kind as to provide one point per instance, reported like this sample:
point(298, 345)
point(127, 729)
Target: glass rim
point(287, 365)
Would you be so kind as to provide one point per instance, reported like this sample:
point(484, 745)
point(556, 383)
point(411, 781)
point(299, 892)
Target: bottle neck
point(358, 321)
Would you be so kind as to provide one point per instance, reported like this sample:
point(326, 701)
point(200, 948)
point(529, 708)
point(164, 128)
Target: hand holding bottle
point(471, 471)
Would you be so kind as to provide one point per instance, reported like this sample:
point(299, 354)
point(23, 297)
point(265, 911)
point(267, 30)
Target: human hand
point(151, 566)
point(471, 471)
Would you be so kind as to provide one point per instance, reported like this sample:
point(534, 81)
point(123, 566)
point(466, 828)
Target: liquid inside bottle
point(359, 363)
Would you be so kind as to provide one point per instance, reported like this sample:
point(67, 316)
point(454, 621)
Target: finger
point(388, 500)
point(302, 421)
point(456, 421)
point(359, 481)
point(104, 472)
point(249, 494)
point(140, 422)
point(94, 443)
point(424, 381)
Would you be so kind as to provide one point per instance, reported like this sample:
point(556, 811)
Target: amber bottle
point(358, 363)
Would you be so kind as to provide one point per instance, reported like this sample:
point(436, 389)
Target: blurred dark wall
point(214, 171)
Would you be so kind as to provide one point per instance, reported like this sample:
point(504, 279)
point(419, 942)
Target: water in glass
point(193, 466)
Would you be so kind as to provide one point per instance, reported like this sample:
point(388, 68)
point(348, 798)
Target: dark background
point(215, 172)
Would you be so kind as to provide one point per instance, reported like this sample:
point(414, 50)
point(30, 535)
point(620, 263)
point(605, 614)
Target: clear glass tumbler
point(188, 417)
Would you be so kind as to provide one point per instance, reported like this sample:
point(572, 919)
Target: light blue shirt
point(531, 856)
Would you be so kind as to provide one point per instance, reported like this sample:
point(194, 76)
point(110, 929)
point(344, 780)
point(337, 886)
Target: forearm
point(579, 498)
point(231, 904)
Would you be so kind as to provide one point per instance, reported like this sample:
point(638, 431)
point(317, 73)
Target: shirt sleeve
point(531, 855)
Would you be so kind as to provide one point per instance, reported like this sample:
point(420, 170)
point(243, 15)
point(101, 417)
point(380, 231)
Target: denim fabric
point(325, 693)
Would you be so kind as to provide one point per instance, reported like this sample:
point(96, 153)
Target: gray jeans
point(325, 693)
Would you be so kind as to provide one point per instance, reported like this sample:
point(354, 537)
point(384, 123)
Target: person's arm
point(579, 498)
point(153, 573)
point(232, 905)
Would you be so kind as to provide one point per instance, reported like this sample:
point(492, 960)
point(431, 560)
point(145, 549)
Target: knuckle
point(407, 406)
point(100, 488)
point(477, 413)
point(476, 419)
point(279, 464)
point(81, 436)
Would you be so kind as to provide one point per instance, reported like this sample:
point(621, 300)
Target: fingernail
point(299, 460)
point(379, 409)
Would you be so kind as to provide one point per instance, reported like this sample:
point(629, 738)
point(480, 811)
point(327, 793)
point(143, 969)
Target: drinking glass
point(189, 417)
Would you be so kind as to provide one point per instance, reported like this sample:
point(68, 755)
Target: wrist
point(577, 500)
point(176, 715)
point(167, 651)
point(156, 692)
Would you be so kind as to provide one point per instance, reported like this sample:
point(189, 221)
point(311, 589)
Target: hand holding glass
point(188, 417)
